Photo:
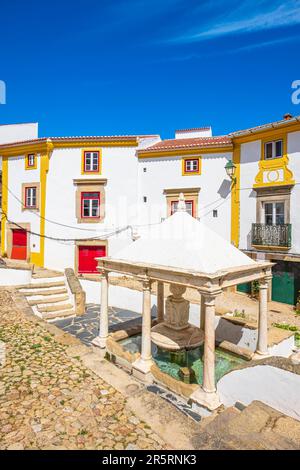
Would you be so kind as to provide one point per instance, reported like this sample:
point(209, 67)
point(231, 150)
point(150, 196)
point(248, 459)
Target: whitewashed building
point(67, 200)
point(265, 216)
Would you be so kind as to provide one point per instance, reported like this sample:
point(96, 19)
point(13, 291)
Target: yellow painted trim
point(22, 150)
point(4, 203)
point(34, 167)
point(235, 198)
point(268, 134)
point(39, 258)
point(35, 258)
point(179, 152)
point(39, 147)
point(274, 165)
point(99, 143)
point(191, 173)
point(82, 161)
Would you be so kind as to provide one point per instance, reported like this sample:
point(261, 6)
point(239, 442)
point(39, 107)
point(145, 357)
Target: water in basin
point(172, 363)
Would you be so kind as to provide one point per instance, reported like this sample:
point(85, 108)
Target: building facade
point(66, 201)
point(265, 217)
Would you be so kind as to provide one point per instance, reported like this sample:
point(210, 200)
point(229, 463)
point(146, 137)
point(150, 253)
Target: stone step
point(221, 422)
point(54, 308)
point(257, 427)
point(42, 285)
point(41, 273)
point(48, 300)
point(45, 292)
point(51, 316)
point(46, 280)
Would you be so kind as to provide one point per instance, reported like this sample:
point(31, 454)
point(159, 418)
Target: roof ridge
point(86, 137)
point(194, 129)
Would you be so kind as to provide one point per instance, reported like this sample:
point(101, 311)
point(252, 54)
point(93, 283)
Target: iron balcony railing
point(272, 235)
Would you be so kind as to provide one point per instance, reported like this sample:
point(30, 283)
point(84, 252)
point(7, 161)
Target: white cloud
point(249, 18)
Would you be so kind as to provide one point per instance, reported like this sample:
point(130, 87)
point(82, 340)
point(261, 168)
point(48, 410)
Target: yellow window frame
point(192, 173)
point(83, 152)
point(31, 167)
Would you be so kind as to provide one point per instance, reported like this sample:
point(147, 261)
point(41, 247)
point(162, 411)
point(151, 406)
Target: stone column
point(209, 345)
point(207, 395)
point(202, 313)
point(142, 366)
point(100, 340)
point(262, 340)
point(160, 302)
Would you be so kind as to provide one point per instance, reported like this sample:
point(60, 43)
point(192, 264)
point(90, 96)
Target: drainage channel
point(179, 404)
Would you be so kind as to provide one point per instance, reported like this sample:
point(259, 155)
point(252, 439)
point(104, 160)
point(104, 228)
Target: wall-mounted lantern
point(230, 170)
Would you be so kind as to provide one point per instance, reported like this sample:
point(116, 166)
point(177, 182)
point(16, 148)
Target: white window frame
point(189, 207)
point(31, 160)
point(273, 142)
point(90, 208)
point(191, 162)
point(31, 197)
point(274, 210)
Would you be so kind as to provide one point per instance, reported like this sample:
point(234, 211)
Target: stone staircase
point(48, 295)
point(255, 427)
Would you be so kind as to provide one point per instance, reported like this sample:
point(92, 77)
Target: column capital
point(103, 272)
point(210, 298)
point(263, 283)
point(145, 283)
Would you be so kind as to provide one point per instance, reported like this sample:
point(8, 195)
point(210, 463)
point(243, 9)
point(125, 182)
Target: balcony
point(272, 235)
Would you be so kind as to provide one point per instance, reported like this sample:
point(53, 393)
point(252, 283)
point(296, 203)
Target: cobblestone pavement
point(49, 400)
point(86, 327)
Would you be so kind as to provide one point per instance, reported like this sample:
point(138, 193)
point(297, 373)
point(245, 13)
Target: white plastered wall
point(119, 167)
point(166, 173)
point(250, 156)
point(18, 132)
point(17, 175)
point(294, 165)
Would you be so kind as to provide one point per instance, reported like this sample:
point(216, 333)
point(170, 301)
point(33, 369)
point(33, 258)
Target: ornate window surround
point(279, 194)
point(90, 185)
point(190, 194)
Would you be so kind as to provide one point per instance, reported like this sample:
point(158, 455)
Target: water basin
point(173, 363)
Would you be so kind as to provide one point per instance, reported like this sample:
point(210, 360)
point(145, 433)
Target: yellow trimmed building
point(67, 200)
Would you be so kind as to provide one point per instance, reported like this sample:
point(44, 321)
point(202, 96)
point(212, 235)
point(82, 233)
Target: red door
point(19, 244)
point(87, 258)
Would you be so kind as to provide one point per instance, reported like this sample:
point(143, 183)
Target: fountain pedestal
point(175, 333)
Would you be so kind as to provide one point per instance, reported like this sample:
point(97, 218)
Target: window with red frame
point(31, 160)
point(91, 162)
point(189, 207)
point(30, 197)
point(191, 165)
point(90, 205)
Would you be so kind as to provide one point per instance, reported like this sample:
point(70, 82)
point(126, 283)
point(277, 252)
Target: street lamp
point(230, 170)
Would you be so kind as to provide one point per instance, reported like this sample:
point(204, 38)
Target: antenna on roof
point(181, 207)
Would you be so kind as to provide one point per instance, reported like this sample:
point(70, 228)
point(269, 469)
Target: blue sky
point(98, 67)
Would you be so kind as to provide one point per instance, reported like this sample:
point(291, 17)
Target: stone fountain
point(175, 333)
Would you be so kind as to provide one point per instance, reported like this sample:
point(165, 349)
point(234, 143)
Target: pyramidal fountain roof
point(181, 241)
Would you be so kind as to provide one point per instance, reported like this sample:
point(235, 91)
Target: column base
point(209, 400)
point(141, 369)
point(258, 355)
point(99, 342)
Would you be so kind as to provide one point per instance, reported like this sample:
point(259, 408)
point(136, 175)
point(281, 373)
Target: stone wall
point(77, 291)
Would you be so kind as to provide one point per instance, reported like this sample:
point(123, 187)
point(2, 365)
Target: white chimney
point(192, 133)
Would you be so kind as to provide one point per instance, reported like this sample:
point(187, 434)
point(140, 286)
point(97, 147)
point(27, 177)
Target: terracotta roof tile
point(74, 138)
point(195, 142)
point(262, 127)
